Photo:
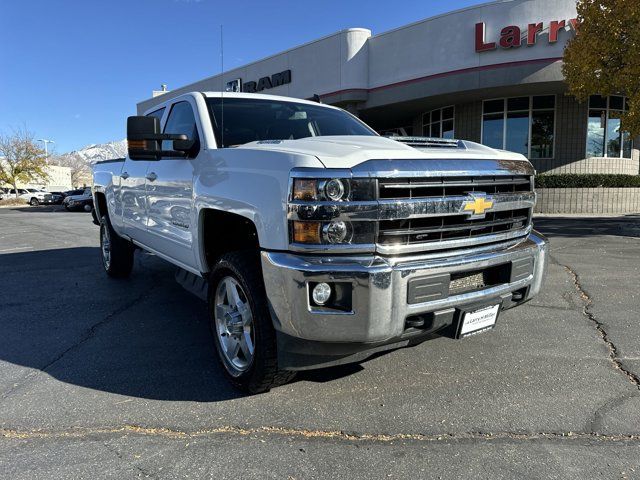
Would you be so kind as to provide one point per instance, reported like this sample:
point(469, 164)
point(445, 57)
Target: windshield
point(248, 119)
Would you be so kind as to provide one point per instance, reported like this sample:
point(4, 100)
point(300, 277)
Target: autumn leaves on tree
point(604, 56)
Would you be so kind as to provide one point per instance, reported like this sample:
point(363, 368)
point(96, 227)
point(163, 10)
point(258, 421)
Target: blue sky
point(73, 70)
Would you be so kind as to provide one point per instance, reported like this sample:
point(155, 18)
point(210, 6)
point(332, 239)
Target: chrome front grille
point(451, 186)
point(438, 229)
point(430, 213)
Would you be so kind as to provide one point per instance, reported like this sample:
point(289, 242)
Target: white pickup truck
point(315, 241)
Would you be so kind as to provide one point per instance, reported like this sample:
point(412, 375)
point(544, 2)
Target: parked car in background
point(32, 196)
point(37, 197)
point(11, 193)
point(76, 191)
point(57, 198)
point(3, 193)
point(83, 201)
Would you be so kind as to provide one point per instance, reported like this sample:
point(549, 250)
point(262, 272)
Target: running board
point(192, 283)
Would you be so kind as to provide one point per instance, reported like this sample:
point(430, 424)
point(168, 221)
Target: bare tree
point(79, 167)
point(21, 160)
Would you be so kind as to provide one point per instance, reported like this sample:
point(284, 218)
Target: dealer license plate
point(479, 320)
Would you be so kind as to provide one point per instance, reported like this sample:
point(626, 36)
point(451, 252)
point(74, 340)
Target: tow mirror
point(183, 145)
point(144, 137)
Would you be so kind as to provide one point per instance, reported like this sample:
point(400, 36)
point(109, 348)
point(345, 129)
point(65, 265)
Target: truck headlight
point(335, 190)
point(336, 232)
point(332, 209)
point(332, 189)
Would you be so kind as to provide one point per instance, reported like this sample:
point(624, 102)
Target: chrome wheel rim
point(105, 240)
point(234, 325)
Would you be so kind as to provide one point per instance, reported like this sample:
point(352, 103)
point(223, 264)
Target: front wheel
point(117, 253)
point(241, 324)
point(34, 202)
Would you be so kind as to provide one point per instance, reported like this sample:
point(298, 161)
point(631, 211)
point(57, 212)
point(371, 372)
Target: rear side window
point(181, 121)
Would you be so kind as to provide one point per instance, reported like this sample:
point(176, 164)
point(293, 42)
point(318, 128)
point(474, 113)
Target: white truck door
point(133, 198)
point(133, 194)
point(170, 222)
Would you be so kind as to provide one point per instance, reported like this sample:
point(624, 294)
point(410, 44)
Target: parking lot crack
point(587, 304)
point(120, 456)
point(336, 435)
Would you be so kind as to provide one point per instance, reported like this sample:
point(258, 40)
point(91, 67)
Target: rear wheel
point(116, 252)
point(241, 324)
point(34, 202)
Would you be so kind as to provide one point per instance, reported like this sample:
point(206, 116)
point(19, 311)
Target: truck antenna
point(221, 87)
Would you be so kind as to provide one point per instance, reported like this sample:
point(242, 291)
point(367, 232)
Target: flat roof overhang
point(459, 86)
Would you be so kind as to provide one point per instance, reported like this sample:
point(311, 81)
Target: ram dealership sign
point(264, 83)
point(512, 36)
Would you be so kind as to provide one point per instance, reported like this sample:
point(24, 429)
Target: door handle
point(151, 176)
point(124, 175)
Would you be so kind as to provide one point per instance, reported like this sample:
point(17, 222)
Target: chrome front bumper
point(379, 289)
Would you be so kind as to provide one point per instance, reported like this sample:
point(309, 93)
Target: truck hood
point(349, 151)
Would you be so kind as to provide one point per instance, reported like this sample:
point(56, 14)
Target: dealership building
point(491, 73)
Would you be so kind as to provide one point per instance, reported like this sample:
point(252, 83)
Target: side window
point(158, 113)
point(181, 120)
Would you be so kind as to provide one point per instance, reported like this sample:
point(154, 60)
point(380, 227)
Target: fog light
point(321, 293)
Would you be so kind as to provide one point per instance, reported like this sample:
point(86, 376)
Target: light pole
point(46, 150)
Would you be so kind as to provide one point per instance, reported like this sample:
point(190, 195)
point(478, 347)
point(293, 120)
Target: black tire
point(119, 260)
point(262, 373)
point(34, 202)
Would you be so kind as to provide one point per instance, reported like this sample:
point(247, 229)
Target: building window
point(604, 136)
point(397, 132)
point(438, 123)
point(524, 125)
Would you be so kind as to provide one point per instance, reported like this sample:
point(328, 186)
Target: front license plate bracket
point(478, 318)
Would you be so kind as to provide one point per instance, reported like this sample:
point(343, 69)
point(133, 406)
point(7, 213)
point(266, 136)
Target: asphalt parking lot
point(117, 379)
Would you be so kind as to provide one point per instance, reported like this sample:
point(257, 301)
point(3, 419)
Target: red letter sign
point(480, 45)
point(553, 30)
point(574, 24)
point(510, 37)
point(532, 35)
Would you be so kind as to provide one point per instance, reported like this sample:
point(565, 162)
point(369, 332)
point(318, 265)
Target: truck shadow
point(38, 209)
point(142, 337)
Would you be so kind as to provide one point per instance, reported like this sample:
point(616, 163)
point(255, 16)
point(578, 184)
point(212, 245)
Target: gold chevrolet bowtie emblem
point(478, 205)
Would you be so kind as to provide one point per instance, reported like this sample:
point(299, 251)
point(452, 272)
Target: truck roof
point(262, 96)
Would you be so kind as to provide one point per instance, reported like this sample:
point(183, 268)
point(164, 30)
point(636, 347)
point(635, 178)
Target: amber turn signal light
point(306, 232)
point(304, 189)
point(142, 144)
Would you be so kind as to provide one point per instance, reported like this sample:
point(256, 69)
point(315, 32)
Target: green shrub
point(587, 180)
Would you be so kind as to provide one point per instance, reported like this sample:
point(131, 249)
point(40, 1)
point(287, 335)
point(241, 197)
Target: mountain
point(103, 151)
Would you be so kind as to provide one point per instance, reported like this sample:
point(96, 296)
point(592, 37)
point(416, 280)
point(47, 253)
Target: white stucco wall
point(447, 42)
point(336, 62)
